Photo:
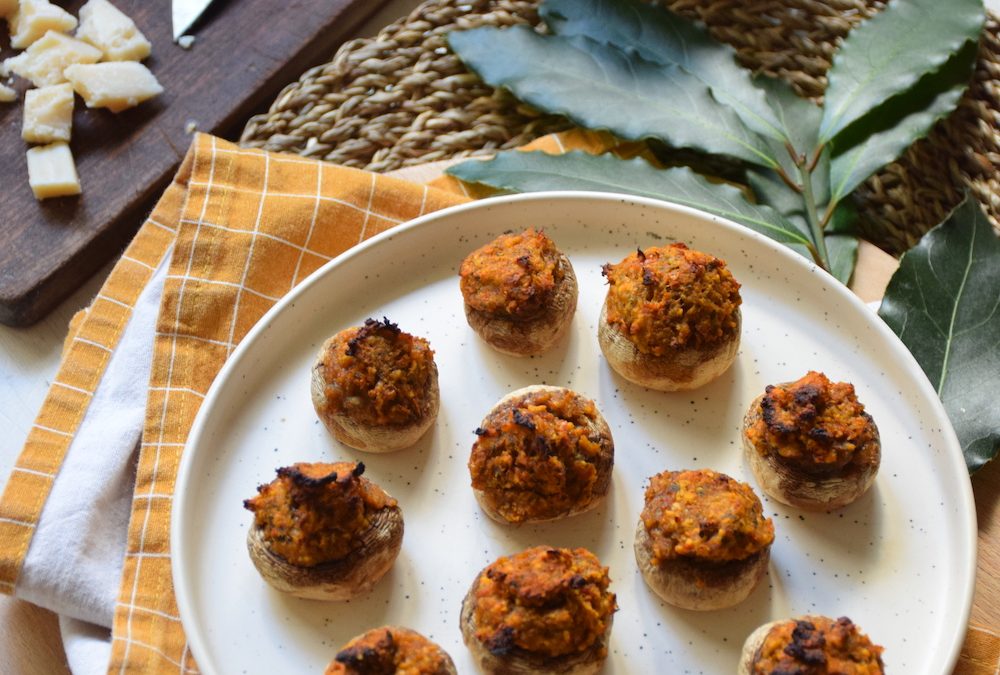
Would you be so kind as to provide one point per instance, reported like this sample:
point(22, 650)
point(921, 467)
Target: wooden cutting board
point(245, 52)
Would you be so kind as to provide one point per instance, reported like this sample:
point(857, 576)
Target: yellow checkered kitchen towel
point(234, 232)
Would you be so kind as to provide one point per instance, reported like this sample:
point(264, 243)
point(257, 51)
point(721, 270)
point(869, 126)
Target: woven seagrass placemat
point(401, 98)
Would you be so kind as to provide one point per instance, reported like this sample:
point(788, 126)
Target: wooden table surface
point(29, 636)
point(126, 159)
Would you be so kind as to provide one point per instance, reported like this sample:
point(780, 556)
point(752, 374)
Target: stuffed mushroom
point(542, 453)
point(519, 292)
point(375, 387)
point(811, 444)
point(671, 319)
point(702, 541)
point(545, 610)
point(391, 650)
point(811, 645)
point(323, 531)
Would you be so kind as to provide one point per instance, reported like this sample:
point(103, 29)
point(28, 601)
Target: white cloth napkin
point(74, 564)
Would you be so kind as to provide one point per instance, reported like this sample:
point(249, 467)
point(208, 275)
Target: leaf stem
point(815, 255)
point(788, 179)
point(828, 214)
point(815, 159)
point(815, 225)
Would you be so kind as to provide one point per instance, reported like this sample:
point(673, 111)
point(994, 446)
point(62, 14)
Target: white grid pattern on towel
point(133, 606)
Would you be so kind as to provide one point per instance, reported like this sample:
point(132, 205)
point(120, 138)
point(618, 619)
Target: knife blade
point(184, 13)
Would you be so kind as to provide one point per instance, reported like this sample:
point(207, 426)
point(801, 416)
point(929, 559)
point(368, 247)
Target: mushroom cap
point(519, 661)
point(526, 337)
point(679, 370)
point(792, 486)
point(598, 426)
point(447, 665)
point(341, 579)
point(752, 646)
point(365, 436)
point(700, 585)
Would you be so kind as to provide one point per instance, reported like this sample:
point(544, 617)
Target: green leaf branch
point(577, 170)
point(646, 74)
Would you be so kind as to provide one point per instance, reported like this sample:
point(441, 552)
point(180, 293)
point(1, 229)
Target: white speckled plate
point(900, 561)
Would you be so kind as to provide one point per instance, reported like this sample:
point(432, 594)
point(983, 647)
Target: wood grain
point(245, 51)
point(986, 601)
point(31, 640)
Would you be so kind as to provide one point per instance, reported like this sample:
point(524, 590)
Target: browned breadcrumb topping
point(705, 515)
point(546, 601)
point(379, 375)
point(814, 424)
point(390, 650)
point(817, 645)
point(670, 298)
point(538, 456)
point(514, 275)
point(316, 513)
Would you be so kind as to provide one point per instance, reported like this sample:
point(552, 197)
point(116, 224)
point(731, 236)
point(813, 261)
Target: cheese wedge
point(115, 85)
point(7, 95)
point(34, 18)
point(44, 62)
point(48, 114)
point(107, 28)
point(7, 8)
point(51, 171)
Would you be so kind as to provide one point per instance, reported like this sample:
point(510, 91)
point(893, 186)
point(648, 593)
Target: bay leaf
point(769, 189)
point(799, 119)
point(944, 304)
point(661, 36)
point(886, 55)
point(882, 135)
point(516, 171)
point(842, 241)
point(601, 87)
point(842, 250)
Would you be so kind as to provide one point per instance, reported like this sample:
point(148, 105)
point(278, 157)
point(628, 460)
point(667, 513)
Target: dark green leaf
point(842, 242)
point(881, 136)
point(771, 190)
point(534, 171)
point(844, 220)
point(889, 53)
point(661, 36)
point(798, 117)
point(842, 250)
point(599, 87)
point(944, 304)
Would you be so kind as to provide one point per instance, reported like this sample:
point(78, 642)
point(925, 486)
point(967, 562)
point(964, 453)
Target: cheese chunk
point(116, 85)
point(7, 94)
point(51, 171)
point(34, 18)
point(7, 8)
point(48, 114)
point(107, 28)
point(44, 62)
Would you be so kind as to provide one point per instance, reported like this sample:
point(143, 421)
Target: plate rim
point(953, 454)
